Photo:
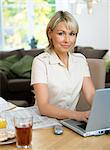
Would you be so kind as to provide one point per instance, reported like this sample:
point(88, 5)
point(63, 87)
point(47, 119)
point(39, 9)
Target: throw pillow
point(90, 52)
point(22, 68)
point(107, 64)
point(6, 64)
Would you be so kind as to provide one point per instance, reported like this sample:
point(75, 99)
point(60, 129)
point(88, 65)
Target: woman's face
point(62, 38)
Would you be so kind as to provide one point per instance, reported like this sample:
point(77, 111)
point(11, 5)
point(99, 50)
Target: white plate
point(8, 141)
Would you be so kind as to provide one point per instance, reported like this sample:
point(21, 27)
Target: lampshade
point(80, 4)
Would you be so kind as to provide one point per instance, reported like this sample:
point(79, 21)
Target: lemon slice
point(3, 123)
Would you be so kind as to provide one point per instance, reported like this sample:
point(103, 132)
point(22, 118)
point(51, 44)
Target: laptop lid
point(99, 119)
point(100, 112)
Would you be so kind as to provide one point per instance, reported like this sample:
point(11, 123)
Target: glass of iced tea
point(23, 127)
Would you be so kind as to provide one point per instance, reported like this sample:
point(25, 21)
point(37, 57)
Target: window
point(21, 20)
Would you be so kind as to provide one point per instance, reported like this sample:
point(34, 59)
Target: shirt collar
point(54, 58)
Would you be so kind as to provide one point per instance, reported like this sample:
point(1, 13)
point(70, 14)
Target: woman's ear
point(49, 33)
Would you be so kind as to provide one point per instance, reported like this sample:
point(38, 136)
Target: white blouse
point(64, 85)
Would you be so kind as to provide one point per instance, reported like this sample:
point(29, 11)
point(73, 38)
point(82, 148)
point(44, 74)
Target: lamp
point(90, 6)
point(80, 4)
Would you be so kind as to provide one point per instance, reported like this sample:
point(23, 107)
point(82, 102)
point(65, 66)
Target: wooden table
point(44, 139)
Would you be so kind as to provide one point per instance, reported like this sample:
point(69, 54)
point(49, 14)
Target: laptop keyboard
point(83, 125)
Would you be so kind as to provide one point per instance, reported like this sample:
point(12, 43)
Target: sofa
point(15, 72)
point(98, 75)
point(15, 82)
point(92, 53)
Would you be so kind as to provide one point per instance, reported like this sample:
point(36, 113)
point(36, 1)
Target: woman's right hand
point(81, 115)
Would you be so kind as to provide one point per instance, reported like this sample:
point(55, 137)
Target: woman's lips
point(66, 46)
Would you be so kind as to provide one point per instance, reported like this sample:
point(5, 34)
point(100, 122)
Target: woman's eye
point(72, 34)
point(60, 33)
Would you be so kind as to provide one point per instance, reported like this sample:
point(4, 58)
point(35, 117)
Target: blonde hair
point(60, 16)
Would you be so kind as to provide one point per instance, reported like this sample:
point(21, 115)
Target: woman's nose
point(67, 39)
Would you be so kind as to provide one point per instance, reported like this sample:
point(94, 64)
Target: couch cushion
point(90, 52)
point(22, 68)
point(98, 72)
point(17, 85)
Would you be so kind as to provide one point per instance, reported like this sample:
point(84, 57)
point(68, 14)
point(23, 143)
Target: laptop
point(99, 119)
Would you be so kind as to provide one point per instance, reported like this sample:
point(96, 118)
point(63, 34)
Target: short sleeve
point(86, 71)
point(38, 73)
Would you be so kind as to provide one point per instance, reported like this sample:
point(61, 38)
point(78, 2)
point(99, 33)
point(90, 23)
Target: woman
point(58, 74)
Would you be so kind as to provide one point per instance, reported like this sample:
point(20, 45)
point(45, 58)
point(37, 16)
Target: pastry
point(3, 135)
point(11, 134)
